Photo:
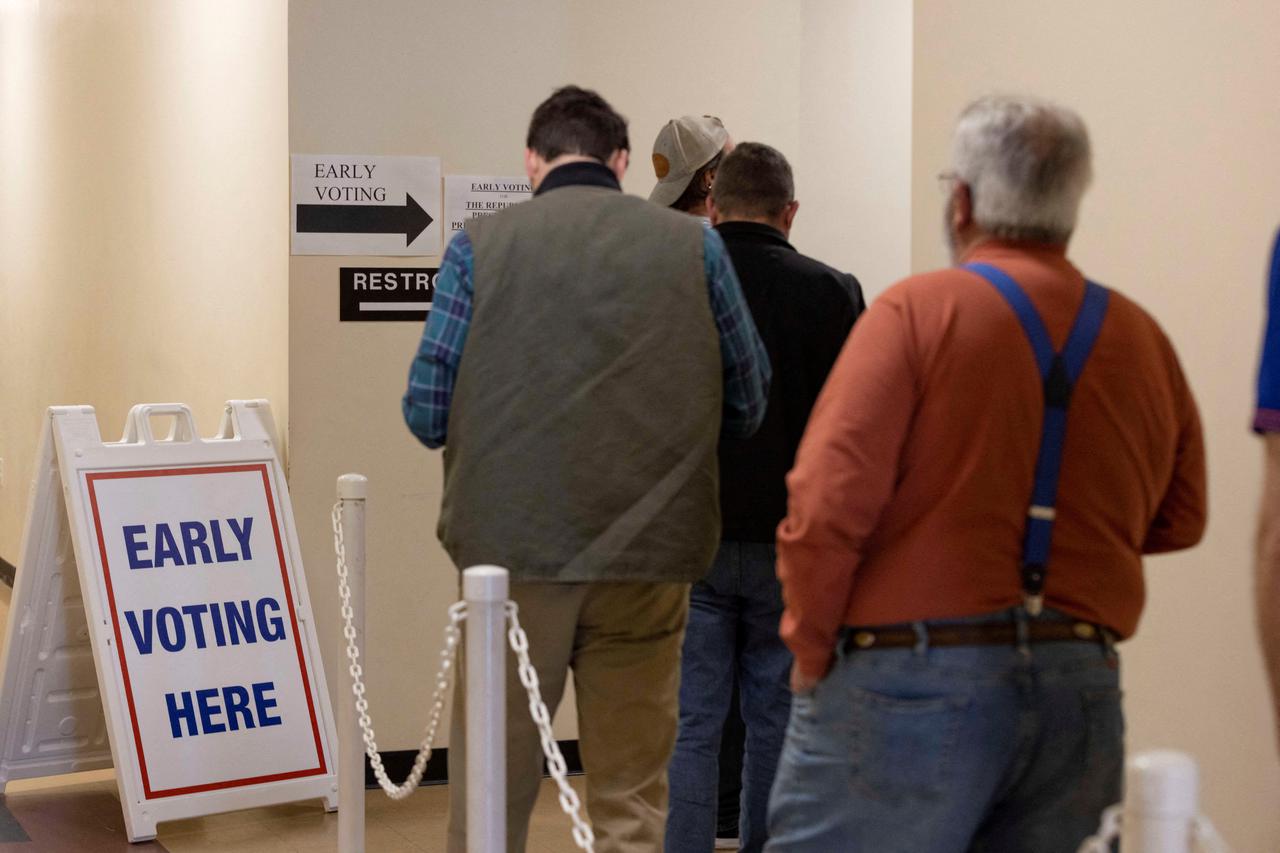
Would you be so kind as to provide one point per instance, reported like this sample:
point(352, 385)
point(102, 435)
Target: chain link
point(569, 802)
point(452, 637)
point(1107, 833)
point(1205, 838)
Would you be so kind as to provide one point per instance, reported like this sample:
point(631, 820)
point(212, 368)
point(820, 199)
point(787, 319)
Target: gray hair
point(1027, 164)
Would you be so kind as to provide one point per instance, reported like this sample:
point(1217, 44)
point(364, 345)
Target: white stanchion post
point(353, 489)
point(1160, 803)
point(485, 589)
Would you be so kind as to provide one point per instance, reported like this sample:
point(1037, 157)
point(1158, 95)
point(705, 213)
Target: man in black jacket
point(803, 310)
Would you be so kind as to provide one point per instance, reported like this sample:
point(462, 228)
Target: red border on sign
point(320, 769)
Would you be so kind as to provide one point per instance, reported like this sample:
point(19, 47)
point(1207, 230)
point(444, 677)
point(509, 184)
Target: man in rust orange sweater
point(996, 448)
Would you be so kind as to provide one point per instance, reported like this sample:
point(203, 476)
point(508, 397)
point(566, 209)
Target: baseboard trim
point(398, 763)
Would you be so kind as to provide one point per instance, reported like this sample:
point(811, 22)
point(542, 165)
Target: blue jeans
point(946, 750)
point(733, 626)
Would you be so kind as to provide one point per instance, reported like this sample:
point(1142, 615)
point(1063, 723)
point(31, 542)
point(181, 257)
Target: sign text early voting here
point(219, 623)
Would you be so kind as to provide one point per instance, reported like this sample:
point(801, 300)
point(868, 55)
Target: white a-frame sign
point(183, 650)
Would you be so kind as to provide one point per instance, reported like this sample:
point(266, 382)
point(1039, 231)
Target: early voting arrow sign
point(408, 219)
point(366, 205)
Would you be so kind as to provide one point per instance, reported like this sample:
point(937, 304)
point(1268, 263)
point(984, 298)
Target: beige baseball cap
point(684, 145)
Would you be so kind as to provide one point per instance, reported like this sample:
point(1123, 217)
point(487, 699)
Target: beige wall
point(1180, 98)
point(855, 138)
point(458, 80)
point(143, 228)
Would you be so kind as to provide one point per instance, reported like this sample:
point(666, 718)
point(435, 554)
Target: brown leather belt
point(989, 634)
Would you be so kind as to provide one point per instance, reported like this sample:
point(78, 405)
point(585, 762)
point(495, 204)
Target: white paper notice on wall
point(472, 196)
point(360, 204)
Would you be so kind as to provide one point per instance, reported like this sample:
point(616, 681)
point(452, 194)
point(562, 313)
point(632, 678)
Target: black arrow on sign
point(408, 219)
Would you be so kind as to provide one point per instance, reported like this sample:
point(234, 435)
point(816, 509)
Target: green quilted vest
point(585, 416)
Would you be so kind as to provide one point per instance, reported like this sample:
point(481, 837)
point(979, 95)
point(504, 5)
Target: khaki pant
point(622, 641)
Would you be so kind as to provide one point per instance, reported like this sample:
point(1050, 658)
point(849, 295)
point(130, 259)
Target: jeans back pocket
point(904, 747)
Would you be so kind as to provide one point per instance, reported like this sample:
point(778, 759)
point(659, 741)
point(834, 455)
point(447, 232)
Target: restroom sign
point(366, 205)
point(194, 567)
point(386, 294)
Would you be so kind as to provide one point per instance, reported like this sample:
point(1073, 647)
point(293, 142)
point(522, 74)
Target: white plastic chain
point(1204, 836)
point(569, 802)
point(1108, 832)
point(452, 637)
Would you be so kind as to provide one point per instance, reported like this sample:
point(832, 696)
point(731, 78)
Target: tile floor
point(81, 814)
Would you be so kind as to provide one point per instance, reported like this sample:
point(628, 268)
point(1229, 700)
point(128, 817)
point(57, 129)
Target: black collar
point(755, 231)
point(579, 173)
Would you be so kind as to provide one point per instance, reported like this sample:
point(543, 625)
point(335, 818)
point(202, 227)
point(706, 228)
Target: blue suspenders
point(1059, 372)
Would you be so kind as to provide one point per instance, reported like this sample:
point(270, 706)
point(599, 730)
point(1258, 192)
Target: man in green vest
point(584, 352)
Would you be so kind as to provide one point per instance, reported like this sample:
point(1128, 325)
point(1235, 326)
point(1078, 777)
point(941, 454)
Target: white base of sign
point(51, 718)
